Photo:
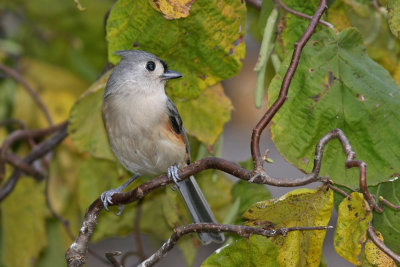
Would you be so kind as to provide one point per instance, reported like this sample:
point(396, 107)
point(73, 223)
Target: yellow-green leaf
point(255, 251)
point(86, 123)
point(377, 257)
point(172, 9)
point(394, 17)
point(57, 87)
point(351, 229)
point(206, 47)
point(205, 116)
point(23, 215)
point(300, 207)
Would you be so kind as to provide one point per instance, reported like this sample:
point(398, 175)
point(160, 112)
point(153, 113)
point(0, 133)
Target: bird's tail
point(199, 209)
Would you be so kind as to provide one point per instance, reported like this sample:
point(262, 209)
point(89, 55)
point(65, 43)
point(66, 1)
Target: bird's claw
point(106, 197)
point(172, 174)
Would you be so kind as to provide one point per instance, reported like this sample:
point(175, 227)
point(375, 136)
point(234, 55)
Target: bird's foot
point(106, 197)
point(172, 174)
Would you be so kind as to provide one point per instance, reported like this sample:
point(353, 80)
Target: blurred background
point(60, 46)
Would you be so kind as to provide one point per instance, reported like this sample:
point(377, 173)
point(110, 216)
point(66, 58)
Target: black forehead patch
point(164, 65)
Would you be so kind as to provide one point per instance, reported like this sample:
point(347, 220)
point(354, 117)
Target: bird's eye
point(150, 66)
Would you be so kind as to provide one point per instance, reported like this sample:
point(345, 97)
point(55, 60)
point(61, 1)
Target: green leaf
point(205, 116)
point(255, 251)
point(388, 221)
point(23, 224)
point(338, 86)
point(394, 17)
point(61, 34)
point(86, 124)
point(351, 229)
point(298, 248)
point(294, 26)
point(206, 47)
point(54, 253)
point(248, 194)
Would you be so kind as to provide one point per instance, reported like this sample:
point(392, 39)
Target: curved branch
point(301, 15)
point(24, 134)
point(37, 152)
point(379, 243)
point(18, 78)
point(259, 128)
point(241, 230)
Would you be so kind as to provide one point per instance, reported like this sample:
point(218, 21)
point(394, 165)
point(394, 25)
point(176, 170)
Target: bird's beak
point(170, 74)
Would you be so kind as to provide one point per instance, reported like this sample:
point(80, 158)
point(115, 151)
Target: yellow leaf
point(301, 207)
point(57, 87)
point(351, 227)
point(377, 257)
point(23, 222)
point(172, 9)
point(205, 116)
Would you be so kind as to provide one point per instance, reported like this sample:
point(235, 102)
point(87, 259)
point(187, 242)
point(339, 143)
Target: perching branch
point(241, 230)
point(259, 128)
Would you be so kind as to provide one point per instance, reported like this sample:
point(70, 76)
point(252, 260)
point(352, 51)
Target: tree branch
point(37, 152)
point(241, 230)
point(301, 15)
point(18, 78)
point(381, 245)
point(24, 134)
point(298, 48)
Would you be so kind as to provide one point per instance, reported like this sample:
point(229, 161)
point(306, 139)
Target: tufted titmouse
point(145, 130)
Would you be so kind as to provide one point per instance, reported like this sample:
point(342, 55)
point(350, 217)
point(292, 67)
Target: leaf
point(53, 255)
point(294, 26)
point(255, 251)
point(377, 257)
point(23, 222)
point(248, 194)
point(57, 87)
point(61, 34)
point(388, 221)
point(206, 47)
point(351, 229)
point(205, 116)
point(298, 248)
point(338, 86)
point(86, 124)
point(174, 9)
point(394, 17)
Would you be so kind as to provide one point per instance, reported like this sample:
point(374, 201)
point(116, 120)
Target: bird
point(146, 133)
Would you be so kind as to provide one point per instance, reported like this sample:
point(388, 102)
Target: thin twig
point(18, 78)
point(301, 15)
point(21, 124)
point(37, 152)
point(387, 203)
point(379, 243)
point(24, 134)
point(111, 257)
point(241, 230)
point(338, 190)
point(26, 168)
point(259, 128)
